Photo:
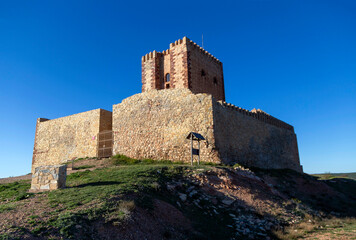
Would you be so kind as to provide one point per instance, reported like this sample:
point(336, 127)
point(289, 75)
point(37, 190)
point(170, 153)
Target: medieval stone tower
point(183, 65)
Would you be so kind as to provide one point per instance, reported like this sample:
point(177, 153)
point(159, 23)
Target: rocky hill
point(122, 198)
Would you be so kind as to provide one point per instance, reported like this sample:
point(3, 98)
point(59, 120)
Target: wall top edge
point(181, 41)
point(259, 113)
point(72, 115)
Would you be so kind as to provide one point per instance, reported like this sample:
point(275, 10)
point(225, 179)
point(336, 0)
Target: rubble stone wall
point(66, 138)
point(155, 125)
point(47, 178)
point(241, 138)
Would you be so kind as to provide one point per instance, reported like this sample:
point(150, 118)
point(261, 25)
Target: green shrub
point(37, 230)
point(14, 191)
point(123, 160)
point(66, 223)
point(209, 163)
point(7, 207)
point(236, 165)
point(84, 167)
point(148, 161)
point(120, 159)
point(119, 212)
point(6, 236)
point(77, 175)
point(23, 195)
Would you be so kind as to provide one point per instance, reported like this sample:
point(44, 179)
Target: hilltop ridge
point(123, 198)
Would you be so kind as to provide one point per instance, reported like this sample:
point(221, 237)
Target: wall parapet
point(203, 51)
point(183, 40)
point(72, 115)
point(259, 115)
point(154, 54)
point(149, 56)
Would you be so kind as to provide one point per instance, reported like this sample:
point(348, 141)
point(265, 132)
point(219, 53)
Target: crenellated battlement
point(184, 40)
point(149, 56)
point(259, 115)
point(178, 42)
point(166, 52)
point(203, 51)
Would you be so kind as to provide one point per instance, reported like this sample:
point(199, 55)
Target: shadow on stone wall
point(275, 152)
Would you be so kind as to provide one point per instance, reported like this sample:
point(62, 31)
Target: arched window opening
point(203, 73)
point(215, 80)
point(168, 78)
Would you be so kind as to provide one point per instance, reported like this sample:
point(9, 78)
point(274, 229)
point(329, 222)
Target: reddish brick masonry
point(188, 65)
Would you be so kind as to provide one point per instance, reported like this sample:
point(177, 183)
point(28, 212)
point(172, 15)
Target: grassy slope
point(106, 195)
point(327, 176)
point(109, 196)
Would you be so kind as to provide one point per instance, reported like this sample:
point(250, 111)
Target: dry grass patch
point(316, 229)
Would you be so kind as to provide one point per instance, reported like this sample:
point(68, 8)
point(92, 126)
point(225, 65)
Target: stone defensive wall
point(254, 138)
point(154, 124)
point(67, 138)
point(258, 114)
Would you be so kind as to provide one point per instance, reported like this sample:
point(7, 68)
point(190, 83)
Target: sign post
point(193, 151)
point(199, 152)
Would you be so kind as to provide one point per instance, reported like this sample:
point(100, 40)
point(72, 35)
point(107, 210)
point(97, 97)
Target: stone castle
point(182, 92)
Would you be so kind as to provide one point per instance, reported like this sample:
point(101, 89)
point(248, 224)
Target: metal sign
point(195, 151)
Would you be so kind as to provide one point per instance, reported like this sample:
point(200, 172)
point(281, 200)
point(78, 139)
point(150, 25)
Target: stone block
point(45, 178)
point(35, 186)
point(44, 187)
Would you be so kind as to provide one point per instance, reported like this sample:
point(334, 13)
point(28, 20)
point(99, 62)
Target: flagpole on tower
point(202, 41)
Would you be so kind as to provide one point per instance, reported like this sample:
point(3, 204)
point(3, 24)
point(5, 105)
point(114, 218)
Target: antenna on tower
point(202, 41)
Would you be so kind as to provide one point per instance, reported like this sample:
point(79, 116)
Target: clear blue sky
point(293, 59)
